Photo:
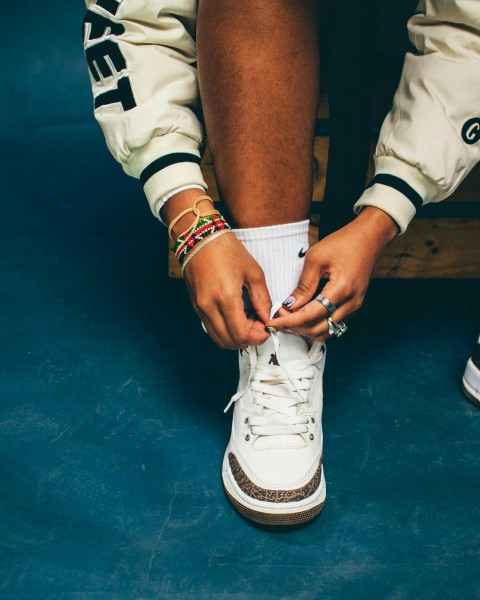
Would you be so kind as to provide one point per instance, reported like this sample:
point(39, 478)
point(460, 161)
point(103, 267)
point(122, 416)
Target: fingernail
point(270, 329)
point(289, 302)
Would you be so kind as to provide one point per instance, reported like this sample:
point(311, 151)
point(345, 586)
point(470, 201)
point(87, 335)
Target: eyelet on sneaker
point(247, 437)
point(312, 420)
point(311, 436)
point(246, 421)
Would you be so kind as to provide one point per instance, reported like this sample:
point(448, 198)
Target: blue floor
point(112, 424)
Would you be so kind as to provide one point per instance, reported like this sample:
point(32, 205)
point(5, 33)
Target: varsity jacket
point(142, 63)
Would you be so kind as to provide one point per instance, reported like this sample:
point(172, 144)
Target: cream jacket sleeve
point(142, 62)
point(430, 140)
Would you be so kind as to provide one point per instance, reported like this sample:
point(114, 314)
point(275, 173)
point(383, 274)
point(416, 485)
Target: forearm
point(142, 63)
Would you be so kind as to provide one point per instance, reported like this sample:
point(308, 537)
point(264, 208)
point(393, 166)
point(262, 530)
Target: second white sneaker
point(471, 377)
point(273, 465)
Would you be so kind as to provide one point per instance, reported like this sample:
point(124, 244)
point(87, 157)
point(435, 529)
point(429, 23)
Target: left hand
point(347, 258)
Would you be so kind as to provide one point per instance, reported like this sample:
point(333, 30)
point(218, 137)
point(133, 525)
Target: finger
point(307, 320)
point(205, 318)
point(320, 329)
point(212, 333)
point(258, 334)
point(228, 325)
point(259, 296)
point(282, 312)
point(307, 284)
point(217, 326)
point(342, 315)
point(224, 318)
point(237, 330)
point(306, 317)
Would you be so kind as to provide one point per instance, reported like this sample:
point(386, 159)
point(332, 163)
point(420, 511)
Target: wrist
point(378, 223)
point(180, 202)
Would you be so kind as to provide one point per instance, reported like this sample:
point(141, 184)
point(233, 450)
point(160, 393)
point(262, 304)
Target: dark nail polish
point(289, 302)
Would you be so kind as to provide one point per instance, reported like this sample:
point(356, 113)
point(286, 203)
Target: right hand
point(215, 279)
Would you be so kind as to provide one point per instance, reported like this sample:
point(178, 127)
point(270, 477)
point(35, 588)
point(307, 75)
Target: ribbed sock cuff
point(280, 251)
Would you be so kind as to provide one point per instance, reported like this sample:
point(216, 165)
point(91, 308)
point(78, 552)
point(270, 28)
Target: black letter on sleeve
point(110, 6)
point(100, 27)
point(97, 55)
point(122, 94)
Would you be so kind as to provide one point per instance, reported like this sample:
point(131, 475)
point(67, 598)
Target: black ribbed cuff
point(167, 161)
point(400, 185)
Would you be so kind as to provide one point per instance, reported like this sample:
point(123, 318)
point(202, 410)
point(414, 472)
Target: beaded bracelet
point(205, 225)
point(205, 228)
point(206, 241)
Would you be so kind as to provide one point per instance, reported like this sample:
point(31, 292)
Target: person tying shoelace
point(149, 63)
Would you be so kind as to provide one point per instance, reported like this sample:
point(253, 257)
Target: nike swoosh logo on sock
point(301, 254)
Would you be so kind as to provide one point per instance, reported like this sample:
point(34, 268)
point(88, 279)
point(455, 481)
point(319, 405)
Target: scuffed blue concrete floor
point(113, 430)
point(112, 397)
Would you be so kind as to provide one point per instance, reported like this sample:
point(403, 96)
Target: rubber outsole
point(473, 399)
point(282, 520)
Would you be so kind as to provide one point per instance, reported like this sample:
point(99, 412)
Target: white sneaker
point(272, 469)
point(471, 377)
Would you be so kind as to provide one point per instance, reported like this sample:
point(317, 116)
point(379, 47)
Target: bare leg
point(258, 67)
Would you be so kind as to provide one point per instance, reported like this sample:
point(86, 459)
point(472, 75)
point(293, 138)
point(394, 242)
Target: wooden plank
point(446, 248)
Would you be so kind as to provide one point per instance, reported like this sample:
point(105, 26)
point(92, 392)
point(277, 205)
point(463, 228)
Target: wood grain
point(446, 248)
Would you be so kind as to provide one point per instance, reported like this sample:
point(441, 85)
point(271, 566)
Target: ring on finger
point(326, 303)
point(336, 329)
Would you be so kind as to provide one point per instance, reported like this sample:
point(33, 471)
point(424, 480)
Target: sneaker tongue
point(292, 347)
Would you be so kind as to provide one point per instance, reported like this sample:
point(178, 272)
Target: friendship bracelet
point(205, 228)
point(204, 223)
point(206, 241)
point(196, 212)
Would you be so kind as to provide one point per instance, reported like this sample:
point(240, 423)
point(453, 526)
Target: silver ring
point(326, 303)
point(336, 329)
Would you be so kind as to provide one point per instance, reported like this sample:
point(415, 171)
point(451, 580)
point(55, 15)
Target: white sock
point(280, 251)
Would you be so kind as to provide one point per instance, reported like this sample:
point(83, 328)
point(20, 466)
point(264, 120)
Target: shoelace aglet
point(227, 408)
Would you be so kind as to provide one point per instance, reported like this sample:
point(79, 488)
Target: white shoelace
point(279, 392)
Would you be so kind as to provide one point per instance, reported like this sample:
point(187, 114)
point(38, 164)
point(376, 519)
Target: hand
point(215, 279)
point(347, 258)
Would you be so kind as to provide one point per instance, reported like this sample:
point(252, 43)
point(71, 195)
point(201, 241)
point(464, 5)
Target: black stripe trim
point(167, 161)
point(400, 185)
point(456, 209)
